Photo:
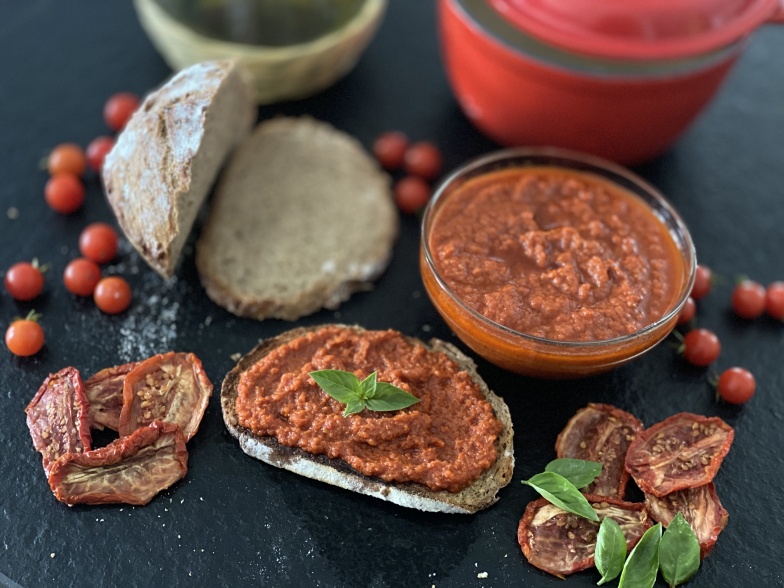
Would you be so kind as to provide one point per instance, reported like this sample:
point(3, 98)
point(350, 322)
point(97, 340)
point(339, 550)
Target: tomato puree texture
point(444, 442)
point(556, 253)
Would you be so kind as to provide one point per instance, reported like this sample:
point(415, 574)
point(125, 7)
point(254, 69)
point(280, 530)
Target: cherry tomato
point(736, 385)
point(81, 276)
point(24, 280)
point(25, 337)
point(411, 194)
point(748, 299)
point(774, 300)
point(423, 159)
point(118, 110)
point(112, 295)
point(64, 193)
point(67, 158)
point(97, 150)
point(688, 311)
point(703, 280)
point(701, 347)
point(390, 149)
point(98, 242)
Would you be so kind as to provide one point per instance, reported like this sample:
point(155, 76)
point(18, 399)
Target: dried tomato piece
point(130, 470)
point(171, 387)
point(601, 433)
point(562, 543)
point(105, 393)
point(683, 451)
point(700, 507)
point(59, 417)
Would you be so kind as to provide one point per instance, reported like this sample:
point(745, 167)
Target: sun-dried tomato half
point(171, 387)
point(105, 393)
point(699, 506)
point(130, 470)
point(562, 543)
point(601, 433)
point(59, 417)
point(683, 451)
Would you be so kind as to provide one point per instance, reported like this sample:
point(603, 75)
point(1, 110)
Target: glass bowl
point(535, 355)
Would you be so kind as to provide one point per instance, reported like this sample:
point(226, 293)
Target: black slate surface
point(234, 521)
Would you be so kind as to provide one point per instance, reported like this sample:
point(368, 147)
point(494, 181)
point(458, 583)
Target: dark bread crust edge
point(479, 495)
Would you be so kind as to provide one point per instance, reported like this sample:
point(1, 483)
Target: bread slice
point(301, 218)
point(480, 494)
point(166, 159)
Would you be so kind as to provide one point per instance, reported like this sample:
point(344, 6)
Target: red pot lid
point(637, 29)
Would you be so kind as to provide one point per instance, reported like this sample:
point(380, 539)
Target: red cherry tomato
point(703, 280)
point(98, 242)
point(81, 276)
point(688, 311)
point(748, 299)
point(67, 158)
point(118, 110)
point(736, 385)
point(24, 280)
point(97, 150)
point(25, 337)
point(64, 193)
point(411, 194)
point(390, 149)
point(774, 300)
point(423, 159)
point(112, 295)
point(701, 347)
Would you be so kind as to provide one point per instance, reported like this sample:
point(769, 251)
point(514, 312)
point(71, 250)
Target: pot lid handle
point(639, 29)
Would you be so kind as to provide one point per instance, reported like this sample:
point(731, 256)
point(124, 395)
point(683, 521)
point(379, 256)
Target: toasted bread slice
point(301, 218)
point(166, 159)
point(480, 494)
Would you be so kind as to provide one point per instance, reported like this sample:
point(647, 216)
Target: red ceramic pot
point(623, 86)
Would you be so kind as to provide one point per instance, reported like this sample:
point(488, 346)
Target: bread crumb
point(51, 555)
point(13, 214)
point(236, 356)
point(482, 575)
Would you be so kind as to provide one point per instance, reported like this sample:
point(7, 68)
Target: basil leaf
point(340, 385)
point(353, 406)
point(367, 387)
point(679, 552)
point(562, 493)
point(642, 565)
point(610, 550)
point(578, 471)
point(388, 397)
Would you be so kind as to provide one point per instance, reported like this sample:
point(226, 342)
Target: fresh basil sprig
point(610, 550)
point(642, 565)
point(679, 552)
point(562, 493)
point(578, 471)
point(357, 395)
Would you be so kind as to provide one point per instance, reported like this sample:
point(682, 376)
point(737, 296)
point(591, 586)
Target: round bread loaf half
point(302, 217)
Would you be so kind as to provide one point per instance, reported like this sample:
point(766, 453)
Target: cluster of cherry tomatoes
point(701, 347)
point(64, 193)
point(421, 162)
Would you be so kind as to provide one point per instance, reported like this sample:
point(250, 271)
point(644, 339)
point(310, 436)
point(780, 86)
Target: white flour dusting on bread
point(166, 159)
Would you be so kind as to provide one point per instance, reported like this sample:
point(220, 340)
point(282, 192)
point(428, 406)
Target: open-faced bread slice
point(481, 493)
point(302, 217)
point(167, 158)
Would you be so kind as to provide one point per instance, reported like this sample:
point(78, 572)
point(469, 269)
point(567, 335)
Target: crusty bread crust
point(302, 217)
point(165, 161)
point(481, 494)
